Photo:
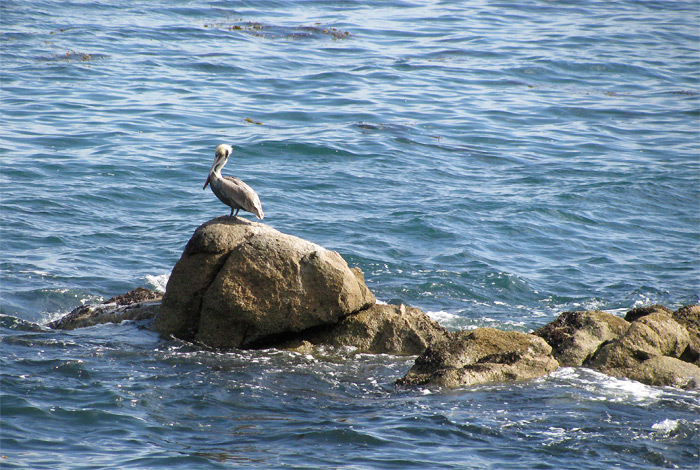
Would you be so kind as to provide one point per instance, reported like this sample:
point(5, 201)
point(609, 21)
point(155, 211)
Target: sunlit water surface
point(493, 164)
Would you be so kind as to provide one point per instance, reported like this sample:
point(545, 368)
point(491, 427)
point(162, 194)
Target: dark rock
point(380, 329)
point(575, 336)
point(139, 304)
point(640, 312)
point(239, 283)
point(484, 355)
point(136, 296)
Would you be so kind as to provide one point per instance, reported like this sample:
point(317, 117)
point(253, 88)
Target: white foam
point(666, 426)
point(35, 273)
point(442, 316)
point(645, 302)
point(566, 373)
point(503, 322)
point(625, 389)
point(608, 388)
point(158, 282)
point(92, 299)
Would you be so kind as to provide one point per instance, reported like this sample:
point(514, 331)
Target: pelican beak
point(213, 165)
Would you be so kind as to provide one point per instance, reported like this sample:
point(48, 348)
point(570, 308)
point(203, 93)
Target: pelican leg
point(232, 214)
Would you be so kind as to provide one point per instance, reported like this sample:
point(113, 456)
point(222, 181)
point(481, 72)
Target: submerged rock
point(139, 304)
point(380, 329)
point(575, 336)
point(244, 284)
point(484, 355)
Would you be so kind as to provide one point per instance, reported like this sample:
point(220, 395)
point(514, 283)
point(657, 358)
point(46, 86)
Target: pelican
point(232, 191)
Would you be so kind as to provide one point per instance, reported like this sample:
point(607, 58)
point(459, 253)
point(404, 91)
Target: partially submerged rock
point(484, 355)
point(657, 334)
point(388, 329)
point(652, 344)
point(244, 284)
point(665, 371)
point(575, 336)
point(139, 304)
point(637, 353)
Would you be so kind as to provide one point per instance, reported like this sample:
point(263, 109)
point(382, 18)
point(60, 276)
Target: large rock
point(380, 329)
point(139, 304)
point(244, 284)
point(637, 353)
point(575, 336)
point(666, 371)
point(484, 355)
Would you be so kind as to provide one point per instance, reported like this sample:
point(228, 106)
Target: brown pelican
point(232, 191)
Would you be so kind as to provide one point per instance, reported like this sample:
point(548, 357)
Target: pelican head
point(221, 155)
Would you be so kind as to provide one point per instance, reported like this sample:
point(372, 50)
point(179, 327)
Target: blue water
point(491, 163)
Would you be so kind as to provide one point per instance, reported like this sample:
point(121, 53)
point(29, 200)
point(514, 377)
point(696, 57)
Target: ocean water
point(492, 163)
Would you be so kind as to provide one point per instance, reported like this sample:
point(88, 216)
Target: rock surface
point(652, 344)
point(638, 353)
point(380, 329)
point(139, 304)
point(666, 371)
point(243, 284)
point(689, 316)
point(640, 312)
point(575, 336)
point(657, 334)
point(484, 355)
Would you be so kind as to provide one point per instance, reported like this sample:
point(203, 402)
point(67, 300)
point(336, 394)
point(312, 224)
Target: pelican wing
point(242, 195)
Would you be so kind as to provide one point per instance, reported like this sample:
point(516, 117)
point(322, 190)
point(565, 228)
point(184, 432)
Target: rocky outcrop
point(650, 351)
point(484, 355)
point(652, 344)
point(241, 284)
point(663, 371)
point(139, 304)
point(575, 336)
point(244, 284)
point(380, 329)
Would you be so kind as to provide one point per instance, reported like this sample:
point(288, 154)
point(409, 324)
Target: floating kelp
point(318, 30)
point(74, 56)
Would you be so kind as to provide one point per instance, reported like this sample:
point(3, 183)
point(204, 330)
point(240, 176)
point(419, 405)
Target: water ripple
point(491, 164)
